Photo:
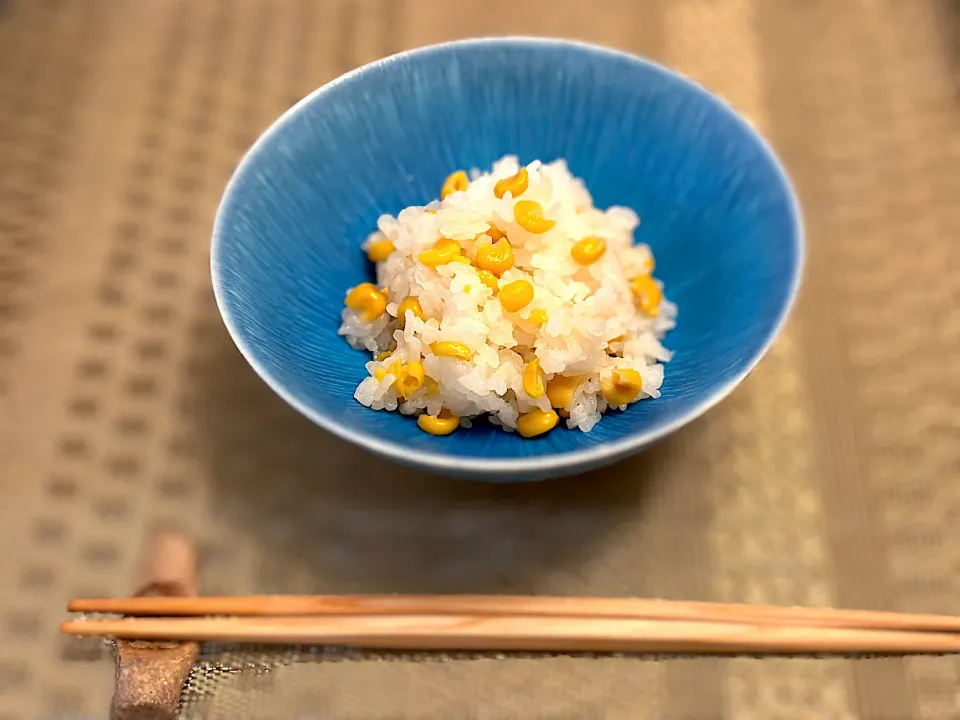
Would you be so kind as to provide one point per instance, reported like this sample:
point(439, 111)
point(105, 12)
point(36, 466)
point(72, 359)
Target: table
point(829, 477)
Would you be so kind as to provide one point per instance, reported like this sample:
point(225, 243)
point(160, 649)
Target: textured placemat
point(829, 477)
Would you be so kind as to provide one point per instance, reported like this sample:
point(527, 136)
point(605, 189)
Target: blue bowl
point(715, 205)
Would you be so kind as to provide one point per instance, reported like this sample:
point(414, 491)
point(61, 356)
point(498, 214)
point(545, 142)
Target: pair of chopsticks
point(517, 623)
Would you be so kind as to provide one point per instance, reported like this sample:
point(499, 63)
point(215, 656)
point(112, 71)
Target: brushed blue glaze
point(715, 206)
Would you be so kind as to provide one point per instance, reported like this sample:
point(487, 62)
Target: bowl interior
point(714, 204)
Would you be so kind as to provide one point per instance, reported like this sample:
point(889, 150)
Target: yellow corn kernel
point(560, 390)
point(413, 305)
point(380, 250)
point(538, 317)
point(444, 424)
point(494, 232)
point(621, 387)
point(515, 184)
point(534, 379)
point(516, 296)
point(611, 341)
point(410, 378)
point(432, 387)
point(462, 260)
point(451, 349)
point(646, 294)
point(496, 258)
point(537, 422)
point(488, 279)
point(529, 216)
point(588, 250)
point(454, 183)
point(367, 300)
point(381, 372)
point(443, 251)
point(384, 355)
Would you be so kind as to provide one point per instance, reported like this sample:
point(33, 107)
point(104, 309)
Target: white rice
point(588, 307)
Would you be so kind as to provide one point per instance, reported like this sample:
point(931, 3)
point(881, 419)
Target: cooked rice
point(593, 326)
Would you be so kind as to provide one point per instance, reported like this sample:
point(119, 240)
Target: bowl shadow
point(326, 516)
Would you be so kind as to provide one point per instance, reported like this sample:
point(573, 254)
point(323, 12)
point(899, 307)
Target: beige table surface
point(832, 476)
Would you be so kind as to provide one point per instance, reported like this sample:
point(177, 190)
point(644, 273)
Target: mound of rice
point(586, 324)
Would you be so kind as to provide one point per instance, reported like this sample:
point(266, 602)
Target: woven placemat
point(829, 477)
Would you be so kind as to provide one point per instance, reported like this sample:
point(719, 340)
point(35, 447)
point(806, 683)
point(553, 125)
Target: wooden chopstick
point(526, 633)
point(514, 606)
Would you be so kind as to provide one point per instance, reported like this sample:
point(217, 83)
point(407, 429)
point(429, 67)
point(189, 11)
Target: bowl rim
point(546, 464)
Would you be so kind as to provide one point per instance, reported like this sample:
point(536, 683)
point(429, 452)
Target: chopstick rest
point(151, 674)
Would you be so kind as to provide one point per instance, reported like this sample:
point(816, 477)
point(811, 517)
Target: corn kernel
point(621, 387)
point(410, 378)
point(451, 349)
point(534, 380)
point(410, 304)
point(611, 341)
point(462, 260)
point(384, 355)
point(588, 250)
point(560, 390)
point(380, 250)
point(369, 302)
point(444, 424)
point(393, 369)
point(529, 216)
point(646, 294)
point(443, 251)
point(488, 279)
point(494, 232)
point(537, 422)
point(432, 387)
point(496, 258)
point(538, 317)
point(515, 184)
point(516, 296)
point(455, 182)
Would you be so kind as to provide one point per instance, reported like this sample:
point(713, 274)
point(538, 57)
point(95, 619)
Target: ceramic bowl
point(716, 208)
